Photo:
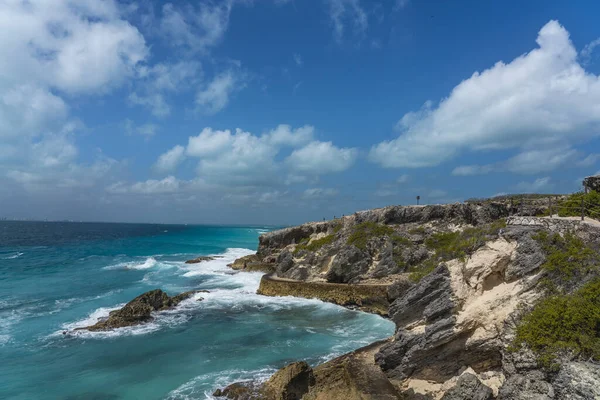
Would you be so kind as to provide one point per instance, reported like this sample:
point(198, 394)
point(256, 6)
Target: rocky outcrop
point(202, 259)
point(369, 298)
point(139, 310)
point(468, 387)
point(455, 318)
point(592, 183)
point(253, 263)
point(290, 383)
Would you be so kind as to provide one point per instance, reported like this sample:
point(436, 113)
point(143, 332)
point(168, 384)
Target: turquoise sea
point(59, 276)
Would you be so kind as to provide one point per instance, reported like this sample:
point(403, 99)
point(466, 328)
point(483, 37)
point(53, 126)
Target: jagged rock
point(531, 386)
point(285, 262)
point(139, 310)
point(468, 387)
point(349, 264)
point(238, 391)
point(578, 381)
point(201, 259)
point(252, 263)
point(291, 382)
point(592, 183)
point(398, 288)
point(353, 376)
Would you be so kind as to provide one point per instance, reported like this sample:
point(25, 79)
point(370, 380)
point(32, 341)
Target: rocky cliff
point(485, 306)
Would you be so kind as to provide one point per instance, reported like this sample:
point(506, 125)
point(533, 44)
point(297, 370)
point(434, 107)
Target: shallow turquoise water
point(58, 276)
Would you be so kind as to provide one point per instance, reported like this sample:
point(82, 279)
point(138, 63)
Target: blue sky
point(279, 112)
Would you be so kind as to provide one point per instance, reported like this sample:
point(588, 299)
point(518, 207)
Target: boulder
point(139, 310)
point(291, 382)
point(468, 387)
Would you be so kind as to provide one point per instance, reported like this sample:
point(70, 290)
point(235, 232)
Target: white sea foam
point(147, 263)
point(192, 389)
point(13, 256)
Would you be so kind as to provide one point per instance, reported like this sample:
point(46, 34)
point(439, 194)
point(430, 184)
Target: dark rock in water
point(238, 391)
point(291, 382)
point(469, 387)
point(139, 310)
point(201, 259)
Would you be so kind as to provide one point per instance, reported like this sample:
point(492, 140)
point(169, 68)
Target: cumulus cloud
point(168, 161)
point(318, 158)
point(543, 98)
point(145, 130)
point(345, 13)
point(240, 157)
point(52, 51)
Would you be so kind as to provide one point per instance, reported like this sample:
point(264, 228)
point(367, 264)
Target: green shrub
point(365, 231)
point(567, 256)
point(419, 230)
point(315, 244)
point(451, 245)
point(337, 227)
point(571, 206)
point(563, 324)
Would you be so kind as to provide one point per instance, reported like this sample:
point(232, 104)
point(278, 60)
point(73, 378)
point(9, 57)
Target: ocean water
point(59, 276)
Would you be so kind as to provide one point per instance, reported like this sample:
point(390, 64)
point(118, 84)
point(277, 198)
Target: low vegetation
point(448, 246)
point(567, 256)
point(307, 244)
point(365, 231)
point(563, 325)
point(571, 205)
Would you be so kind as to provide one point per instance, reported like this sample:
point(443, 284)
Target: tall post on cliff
point(582, 208)
point(418, 198)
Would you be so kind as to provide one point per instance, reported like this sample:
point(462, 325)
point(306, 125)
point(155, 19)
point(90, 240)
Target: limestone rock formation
point(468, 387)
point(139, 310)
point(457, 281)
point(291, 382)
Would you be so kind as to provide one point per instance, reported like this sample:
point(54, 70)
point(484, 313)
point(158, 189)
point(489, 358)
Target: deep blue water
point(59, 276)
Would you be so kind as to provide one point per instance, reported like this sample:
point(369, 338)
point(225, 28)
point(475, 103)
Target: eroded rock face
point(139, 310)
point(291, 382)
point(348, 264)
point(454, 317)
point(468, 387)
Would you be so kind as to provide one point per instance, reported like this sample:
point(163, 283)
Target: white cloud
point(469, 170)
point(74, 46)
point(168, 161)
point(347, 12)
point(209, 142)
point(169, 184)
point(146, 130)
point(215, 96)
point(541, 98)
point(157, 81)
point(318, 193)
point(531, 162)
point(195, 28)
point(538, 186)
point(284, 135)
point(319, 158)
point(155, 102)
point(588, 50)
